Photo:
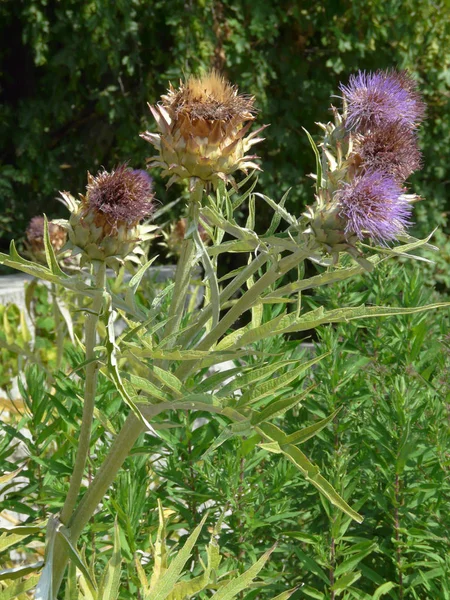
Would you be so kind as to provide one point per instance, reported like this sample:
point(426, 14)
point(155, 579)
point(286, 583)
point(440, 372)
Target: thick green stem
point(120, 449)
point(184, 267)
point(225, 295)
point(89, 395)
point(132, 427)
point(118, 452)
point(59, 333)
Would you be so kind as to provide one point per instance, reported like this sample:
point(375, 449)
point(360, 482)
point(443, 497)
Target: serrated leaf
point(279, 407)
point(166, 583)
point(270, 387)
point(319, 316)
point(278, 208)
point(19, 587)
point(187, 589)
point(110, 583)
point(169, 379)
point(251, 376)
point(299, 437)
point(140, 383)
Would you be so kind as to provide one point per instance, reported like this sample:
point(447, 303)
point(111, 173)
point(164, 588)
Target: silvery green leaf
point(164, 586)
point(110, 583)
point(242, 582)
point(50, 253)
point(279, 209)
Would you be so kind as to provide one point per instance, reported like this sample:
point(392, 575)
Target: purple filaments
point(374, 99)
point(391, 148)
point(372, 205)
point(123, 195)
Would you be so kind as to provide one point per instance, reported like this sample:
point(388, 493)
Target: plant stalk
point(397, 536)
point(245, 302)
point(132, 427)
point(89, 395)
point(59, 334)
point(184, 266)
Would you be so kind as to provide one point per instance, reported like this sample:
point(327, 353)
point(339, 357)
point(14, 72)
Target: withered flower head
point(35, 235)
point(203, 126)
point(122, 197)
point(392, 149)
point(105, 223)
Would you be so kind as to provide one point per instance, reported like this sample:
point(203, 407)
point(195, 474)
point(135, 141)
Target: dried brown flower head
point(121, 197)
point(203, 126)
point(35, 235)
point(105, 223)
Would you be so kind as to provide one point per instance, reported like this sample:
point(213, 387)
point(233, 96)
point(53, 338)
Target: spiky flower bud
point(203, 128)
point(35, 238)
point(104, 224)
point(173, 240)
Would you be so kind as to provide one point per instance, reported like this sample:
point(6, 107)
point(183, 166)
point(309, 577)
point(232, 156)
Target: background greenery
point(76, 76)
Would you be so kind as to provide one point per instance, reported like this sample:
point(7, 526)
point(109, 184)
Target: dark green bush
point(76, 77)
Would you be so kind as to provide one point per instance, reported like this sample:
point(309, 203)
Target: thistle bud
point(203, 128)
point(104, 224)
point(35, 238)
point(173, 240)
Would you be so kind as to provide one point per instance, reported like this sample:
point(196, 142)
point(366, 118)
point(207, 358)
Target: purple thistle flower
point(122, 196)
point(372, 206)
point(382, 97)
point(392, 149)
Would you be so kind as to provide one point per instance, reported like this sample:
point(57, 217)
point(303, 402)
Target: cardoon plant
point(161, 362)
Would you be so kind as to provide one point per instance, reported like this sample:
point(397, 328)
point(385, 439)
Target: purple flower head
point(122, 196)
point(373, 207)
point(382, 97)
point(392, 149)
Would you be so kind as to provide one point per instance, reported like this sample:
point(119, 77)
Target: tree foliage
point(76, 77)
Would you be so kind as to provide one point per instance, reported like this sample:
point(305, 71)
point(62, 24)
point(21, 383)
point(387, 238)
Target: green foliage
point(386, 450)
point(89, 68)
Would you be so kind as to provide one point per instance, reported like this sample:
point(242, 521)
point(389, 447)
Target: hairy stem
point(184, 267)
point(397, 536)
point(59, 333)
point(245, 302)
point(89, 395)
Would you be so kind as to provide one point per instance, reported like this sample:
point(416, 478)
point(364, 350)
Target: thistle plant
point(161, 363)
